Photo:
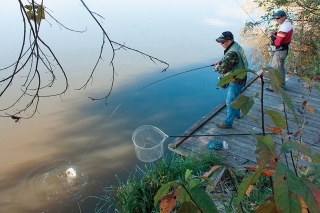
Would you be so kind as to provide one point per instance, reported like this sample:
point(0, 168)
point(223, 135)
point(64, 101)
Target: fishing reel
point(225, 86)
point(271, 49)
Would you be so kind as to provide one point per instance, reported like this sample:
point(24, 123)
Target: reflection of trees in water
point(40, 68)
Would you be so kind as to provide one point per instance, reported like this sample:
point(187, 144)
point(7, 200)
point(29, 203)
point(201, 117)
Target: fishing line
point(158, 82)
point(295, 106)
point(140, 90)
point(253, 20)
point(216, 135)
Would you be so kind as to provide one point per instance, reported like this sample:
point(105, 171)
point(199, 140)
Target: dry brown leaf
point(214, 168)
point(304, 103)
point(310, 109)
point(305, 86)
point(305, 158)
point(297, 133)
point(276, 130)
point(249, 189)
point(266, 173)
point(167, 203)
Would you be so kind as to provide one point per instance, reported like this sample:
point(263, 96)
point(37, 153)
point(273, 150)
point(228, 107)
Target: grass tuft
point(135, 195)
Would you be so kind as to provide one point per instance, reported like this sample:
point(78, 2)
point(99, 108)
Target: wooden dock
point(242, 147)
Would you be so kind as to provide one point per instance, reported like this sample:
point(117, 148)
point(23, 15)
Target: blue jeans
point(233, 92)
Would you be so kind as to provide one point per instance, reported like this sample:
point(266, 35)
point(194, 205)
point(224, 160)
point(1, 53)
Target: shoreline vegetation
point(271, 186)
point(136, 194)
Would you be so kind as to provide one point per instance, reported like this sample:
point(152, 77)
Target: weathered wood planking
point(242, 147)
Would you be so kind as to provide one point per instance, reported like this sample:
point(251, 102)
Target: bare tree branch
point(112, 43)
point(36, 61)
point(32, 57)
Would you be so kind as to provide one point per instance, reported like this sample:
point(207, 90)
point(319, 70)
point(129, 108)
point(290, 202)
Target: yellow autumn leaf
point(310, 109)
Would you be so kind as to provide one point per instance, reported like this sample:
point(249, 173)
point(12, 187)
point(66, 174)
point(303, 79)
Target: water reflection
point(78, 133)
point(87, 138)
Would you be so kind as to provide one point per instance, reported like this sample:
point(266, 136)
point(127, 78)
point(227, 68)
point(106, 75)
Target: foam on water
point(56, 182)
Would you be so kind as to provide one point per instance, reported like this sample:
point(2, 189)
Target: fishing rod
point(150, 131)
point(142, 89)
point(253, 21)
point(180, 73)
point(269, 44)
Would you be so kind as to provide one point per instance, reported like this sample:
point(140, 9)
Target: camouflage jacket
point(229, 60)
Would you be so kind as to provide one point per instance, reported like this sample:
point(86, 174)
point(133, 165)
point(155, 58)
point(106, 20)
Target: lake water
point(75, 132)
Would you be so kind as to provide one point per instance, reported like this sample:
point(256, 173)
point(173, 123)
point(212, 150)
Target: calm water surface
point(72, 131)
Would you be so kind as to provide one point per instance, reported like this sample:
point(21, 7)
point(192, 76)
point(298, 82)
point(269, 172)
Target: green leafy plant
point(294, 190)
point(136, 194)
point(185, 196)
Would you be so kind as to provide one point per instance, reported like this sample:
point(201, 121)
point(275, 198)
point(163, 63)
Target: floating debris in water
point(56, 181)
point(71, 173)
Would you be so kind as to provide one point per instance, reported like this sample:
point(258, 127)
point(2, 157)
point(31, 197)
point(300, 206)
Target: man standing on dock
point(281, 41)
point(234, 58)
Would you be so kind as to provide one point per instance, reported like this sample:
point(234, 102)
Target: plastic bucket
point(148, 141)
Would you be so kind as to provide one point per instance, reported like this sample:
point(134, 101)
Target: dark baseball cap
point(227, 35)
point(279, 13)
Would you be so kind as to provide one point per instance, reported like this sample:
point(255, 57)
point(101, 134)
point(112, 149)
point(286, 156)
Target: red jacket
point(283, 36)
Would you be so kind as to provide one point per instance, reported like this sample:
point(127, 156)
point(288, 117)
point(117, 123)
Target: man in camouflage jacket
point(234, 58)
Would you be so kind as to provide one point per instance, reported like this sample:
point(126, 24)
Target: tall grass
point(135, 195)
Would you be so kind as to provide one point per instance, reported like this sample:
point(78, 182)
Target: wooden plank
point(204, 119)
point(242, 147)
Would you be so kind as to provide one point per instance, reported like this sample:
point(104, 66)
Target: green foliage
point(202, 200)
point(144, 188)
point(230, 77)
point(173, 187)
point(252, 179)
point(188, 173)
point(192, 193)
point(184, 196)
point(266, 152)
point(304, 57)
point(276, 118)
point(292, 192)
point(267, 208)
point(187, 207)
point(289, 103)
point(275, 81)
point(163, 191)
point(243, 102)
point(286, 188)
point(303, 148)
point(286, 200)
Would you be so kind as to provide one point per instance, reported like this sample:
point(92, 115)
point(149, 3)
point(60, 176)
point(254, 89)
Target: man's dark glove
point(273, 38)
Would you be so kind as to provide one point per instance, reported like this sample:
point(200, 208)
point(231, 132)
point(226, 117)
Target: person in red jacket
point(281, 41)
